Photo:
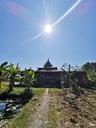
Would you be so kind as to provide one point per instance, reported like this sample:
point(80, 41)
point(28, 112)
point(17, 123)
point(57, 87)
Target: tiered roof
point(48, 67)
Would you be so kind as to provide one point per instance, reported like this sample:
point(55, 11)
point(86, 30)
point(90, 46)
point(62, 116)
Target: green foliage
point(90, 68)
point(70, 80)
point(13, 72)
point(28, 78)
point(76, 89)
point(3, 64)
point(3, 88)
point(3, 73)
point(26, 94)
point(67, 75)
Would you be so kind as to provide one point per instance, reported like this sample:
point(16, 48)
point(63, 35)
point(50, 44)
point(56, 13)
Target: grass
point(38, 91)
point(54, 91)
point(21, 120)
point(52, 117)
point(17, 90)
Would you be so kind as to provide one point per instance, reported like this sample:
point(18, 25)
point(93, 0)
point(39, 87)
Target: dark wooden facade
point(48, 76)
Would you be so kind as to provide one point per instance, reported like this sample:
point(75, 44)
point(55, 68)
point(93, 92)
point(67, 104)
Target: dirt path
point(39, 119)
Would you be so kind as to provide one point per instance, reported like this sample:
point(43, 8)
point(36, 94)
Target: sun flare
point(47, 28)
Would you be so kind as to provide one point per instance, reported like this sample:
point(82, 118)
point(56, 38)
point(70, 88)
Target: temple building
point(48, 76)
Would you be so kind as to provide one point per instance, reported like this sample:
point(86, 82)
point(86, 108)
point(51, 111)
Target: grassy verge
point(54, 91)
point(38, 91)
point(22, 119)
point(17, 90)
point(53, 113)
point(52, 117)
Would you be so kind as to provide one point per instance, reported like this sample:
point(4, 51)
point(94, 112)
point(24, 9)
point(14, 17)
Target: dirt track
point(39, 120)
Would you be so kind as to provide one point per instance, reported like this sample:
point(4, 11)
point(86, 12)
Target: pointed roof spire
point(48, 64)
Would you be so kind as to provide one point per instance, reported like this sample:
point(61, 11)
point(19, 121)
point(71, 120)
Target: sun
point(47, 28)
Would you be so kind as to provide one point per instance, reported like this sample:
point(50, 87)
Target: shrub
point(27, 94)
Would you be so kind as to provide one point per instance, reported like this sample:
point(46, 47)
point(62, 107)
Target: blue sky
point(72, 41)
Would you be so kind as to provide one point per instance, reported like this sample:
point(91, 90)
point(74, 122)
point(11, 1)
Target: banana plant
point(13, 72)
point(3, 71)
point(29, 77)
point(68, 74)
